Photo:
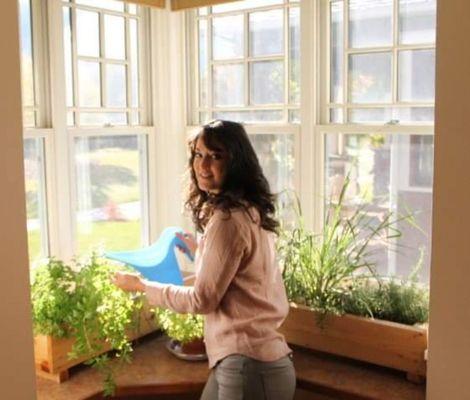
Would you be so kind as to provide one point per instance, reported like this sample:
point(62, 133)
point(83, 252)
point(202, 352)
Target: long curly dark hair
point(244, 183)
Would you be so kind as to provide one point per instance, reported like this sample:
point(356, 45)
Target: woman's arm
point(225, 244)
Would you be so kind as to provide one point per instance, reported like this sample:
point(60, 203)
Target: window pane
point(294, 116)
point(134, 63)
point(67, 26)
point(336, 115)
point(105, 4)
point(267, 82)
point(227, 37)
point(114, 37)
point(370, 23)
point(336, 52)
point(35, 198)
point(203, 61)
point(294, 55)
point(421, 161)
point(108, 187)
point(228, 85)
point(276, 156)
point(251, 116)
point(416, 75)
point(243, 5)
point(370, 78)
point(392, 114)
point(27, 67)
point(266, 33)
point(383, 170)
point(89, 83)
point(88, 38)
point(116, 85)
point(102, 119)
point(417, 21)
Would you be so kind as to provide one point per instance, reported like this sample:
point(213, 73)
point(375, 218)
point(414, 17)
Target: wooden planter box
point(51, 354)
point(379, 342)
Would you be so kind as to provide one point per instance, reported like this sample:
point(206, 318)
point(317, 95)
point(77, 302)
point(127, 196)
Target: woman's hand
point(190, 241)
point(128, 282)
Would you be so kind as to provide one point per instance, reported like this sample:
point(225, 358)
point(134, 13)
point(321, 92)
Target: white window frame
point(395, 48)
point(41, 109)
point(59, 138)
point(399, 173)
point(283, 127)
point(140, 17)
point(195, 108)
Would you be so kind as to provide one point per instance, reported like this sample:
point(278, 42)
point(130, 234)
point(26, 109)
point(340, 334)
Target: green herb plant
point(82, 303)
point(182, 327)
point(321, 270)
point(402, 300)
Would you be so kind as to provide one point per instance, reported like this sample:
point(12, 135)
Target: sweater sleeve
point(224, 247)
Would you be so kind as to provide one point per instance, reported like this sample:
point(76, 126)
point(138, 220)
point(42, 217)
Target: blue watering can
point(157, 262)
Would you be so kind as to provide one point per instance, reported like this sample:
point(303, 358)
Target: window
point(34, 136)
point(101, 61)
point(382, 61)
point(379, 114)
point(247, 69)
point(248, 62)
point(87, 128)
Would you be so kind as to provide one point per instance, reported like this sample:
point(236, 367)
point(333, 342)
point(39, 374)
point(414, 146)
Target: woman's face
point(209, 167)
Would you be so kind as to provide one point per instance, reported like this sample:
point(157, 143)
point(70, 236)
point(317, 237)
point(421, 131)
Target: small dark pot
point(192, 351)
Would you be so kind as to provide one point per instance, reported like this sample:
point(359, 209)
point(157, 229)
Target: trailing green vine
point(82, 303)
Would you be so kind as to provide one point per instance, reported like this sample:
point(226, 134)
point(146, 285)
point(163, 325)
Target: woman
point(238, 284)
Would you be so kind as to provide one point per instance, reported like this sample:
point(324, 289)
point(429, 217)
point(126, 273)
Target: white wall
point(449, 348)
point(16, 343)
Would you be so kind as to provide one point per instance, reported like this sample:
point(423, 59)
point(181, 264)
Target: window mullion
point(345, 61)
point(192, 44)
point(246, 53)
point(128, 67)
point(59, 185)
point(102, 64)
point(41, 68)
point(76, 90)
point(395, 53)
point(210, 67)
point(144, 54)
point(286, 49)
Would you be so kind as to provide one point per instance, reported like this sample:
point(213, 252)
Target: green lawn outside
point(101, 236)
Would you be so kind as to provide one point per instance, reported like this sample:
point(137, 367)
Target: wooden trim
point(379, 342)
point(185, 4)
point(151, 3)
point(51, 354)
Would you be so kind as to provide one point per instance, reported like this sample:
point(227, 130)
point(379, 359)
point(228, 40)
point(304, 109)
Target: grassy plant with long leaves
point(319, 270)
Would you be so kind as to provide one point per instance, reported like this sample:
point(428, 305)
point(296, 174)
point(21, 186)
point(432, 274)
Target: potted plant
point(330, 276)
point(79, 315)
point(185, 332)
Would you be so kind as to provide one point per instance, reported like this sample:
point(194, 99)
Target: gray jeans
point(238, 377)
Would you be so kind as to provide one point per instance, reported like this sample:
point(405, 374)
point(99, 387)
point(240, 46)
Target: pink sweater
point(238, 287)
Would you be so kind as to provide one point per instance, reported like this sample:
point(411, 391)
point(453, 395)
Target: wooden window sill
point(154, 371)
